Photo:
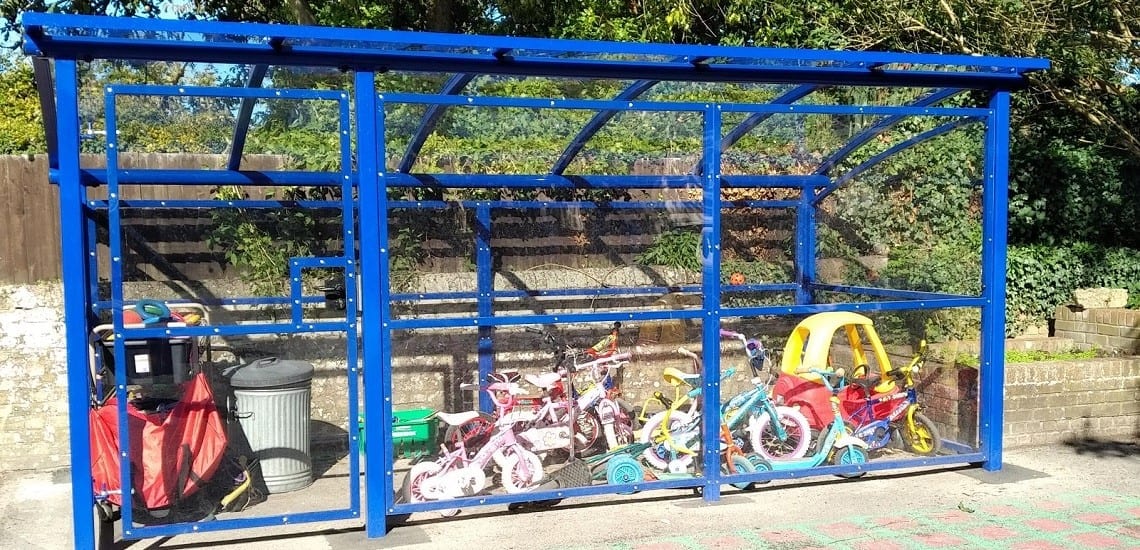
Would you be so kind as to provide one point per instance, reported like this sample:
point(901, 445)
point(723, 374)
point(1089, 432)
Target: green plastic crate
point(414, 432)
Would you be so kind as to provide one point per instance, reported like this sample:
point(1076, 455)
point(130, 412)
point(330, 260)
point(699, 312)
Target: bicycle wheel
point(416, 477)
point(473, 433)
point(657, 455)
point(522, 471)
point(921, 436)
point(849, 455)
point(588, 434)
point(766, 440)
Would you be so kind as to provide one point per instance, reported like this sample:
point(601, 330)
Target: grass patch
point(1029, 356)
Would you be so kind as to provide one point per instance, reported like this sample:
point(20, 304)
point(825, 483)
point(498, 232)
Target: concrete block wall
point(1051, 402)
point(1116, 330)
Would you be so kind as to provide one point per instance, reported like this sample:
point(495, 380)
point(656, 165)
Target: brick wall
point(1111, 329)
point(1051, 402)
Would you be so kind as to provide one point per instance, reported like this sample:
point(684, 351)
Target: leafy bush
point(677, 248)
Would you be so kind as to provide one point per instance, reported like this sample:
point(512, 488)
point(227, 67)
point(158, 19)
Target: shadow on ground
point(1103, 447)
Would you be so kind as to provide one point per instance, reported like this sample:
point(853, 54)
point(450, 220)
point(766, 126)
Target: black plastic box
point(152, 361)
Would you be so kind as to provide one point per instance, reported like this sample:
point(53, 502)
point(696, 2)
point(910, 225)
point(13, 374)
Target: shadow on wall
point(1100, 447)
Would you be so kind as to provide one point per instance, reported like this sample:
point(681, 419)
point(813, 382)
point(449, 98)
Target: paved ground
point(1083, 495)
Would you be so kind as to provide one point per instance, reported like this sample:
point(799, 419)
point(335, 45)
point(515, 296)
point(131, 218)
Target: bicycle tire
point(768, 444)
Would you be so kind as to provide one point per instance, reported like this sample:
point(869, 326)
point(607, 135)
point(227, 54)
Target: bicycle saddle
point(676, 377)
point(545, 381)
point(456, 419)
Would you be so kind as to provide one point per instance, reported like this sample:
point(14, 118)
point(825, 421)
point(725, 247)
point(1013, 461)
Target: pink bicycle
point(454, 475)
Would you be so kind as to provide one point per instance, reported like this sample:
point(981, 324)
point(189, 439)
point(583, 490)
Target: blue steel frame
point(366, 206)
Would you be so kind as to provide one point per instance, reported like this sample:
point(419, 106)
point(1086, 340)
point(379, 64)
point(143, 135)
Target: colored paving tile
point(940, 540)
point(1096, 518)
point(1049, 525)
point(1086, 520)
point(1036, 545)
point(995, 533)
point(724, 543)
point(1097, 540)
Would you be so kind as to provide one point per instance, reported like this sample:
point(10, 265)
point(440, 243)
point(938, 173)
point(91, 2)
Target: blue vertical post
point(118, 305)
point(351, 313)
point(805, 245)
point(995, 205)
point(375, 310)
point(485, 283)
point(76, 300)
point(710, 287)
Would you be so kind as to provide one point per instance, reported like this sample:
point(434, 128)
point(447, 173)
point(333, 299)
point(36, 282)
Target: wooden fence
point(171, 244)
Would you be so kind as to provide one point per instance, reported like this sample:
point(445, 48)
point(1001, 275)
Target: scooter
point(834, 443)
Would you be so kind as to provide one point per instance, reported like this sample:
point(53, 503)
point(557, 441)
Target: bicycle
point(776, 432)
point(882, 412)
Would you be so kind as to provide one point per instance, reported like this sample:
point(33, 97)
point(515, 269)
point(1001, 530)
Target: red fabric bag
point(173, 453)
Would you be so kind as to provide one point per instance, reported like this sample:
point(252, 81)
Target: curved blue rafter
point(754, 120)
point(245, 113)
point(599, 120)
point(894, 149)
point(432, 116)
point(883, 125)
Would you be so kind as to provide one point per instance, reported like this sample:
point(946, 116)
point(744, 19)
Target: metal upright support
point(995, 204)
point(485, 283)
point(73, 229)
point(376, 311)
point(805, 245)
point(710, 324)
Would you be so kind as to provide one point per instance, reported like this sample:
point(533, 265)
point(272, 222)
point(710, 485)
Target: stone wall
point(33, 403)
point(1112, 329)
point(1045, 402)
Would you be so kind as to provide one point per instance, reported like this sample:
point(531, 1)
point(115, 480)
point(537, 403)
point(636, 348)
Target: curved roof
point(96, 37)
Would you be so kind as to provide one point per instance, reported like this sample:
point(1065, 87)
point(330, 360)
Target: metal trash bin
point(273, 400)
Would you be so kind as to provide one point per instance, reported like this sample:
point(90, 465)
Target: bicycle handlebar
point(729, 334)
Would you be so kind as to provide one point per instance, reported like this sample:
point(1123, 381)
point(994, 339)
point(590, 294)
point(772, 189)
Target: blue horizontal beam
point(808, 309)
point(360, 59)
point(726, 479)
point(40, 40)
point(870, 466)
point(890, 292)
point(105, 305)
point(492, 181)
point(674, 206)
point(891, 151)
point(185, 528)
point(228, 91)
point(236, 330)
point(561, 292)
point(543, 319)
point(97, 177)
point(569, 492)
point(677, 106)
point(155, 204)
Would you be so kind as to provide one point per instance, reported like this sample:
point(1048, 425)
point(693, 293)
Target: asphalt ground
point(1084, 494)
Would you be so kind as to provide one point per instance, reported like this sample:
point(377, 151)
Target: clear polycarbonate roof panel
point(55, 35)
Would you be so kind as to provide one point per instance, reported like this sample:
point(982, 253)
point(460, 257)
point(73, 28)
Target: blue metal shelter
point(63, 42)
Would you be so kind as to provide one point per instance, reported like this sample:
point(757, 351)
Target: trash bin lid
point(270, 372)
